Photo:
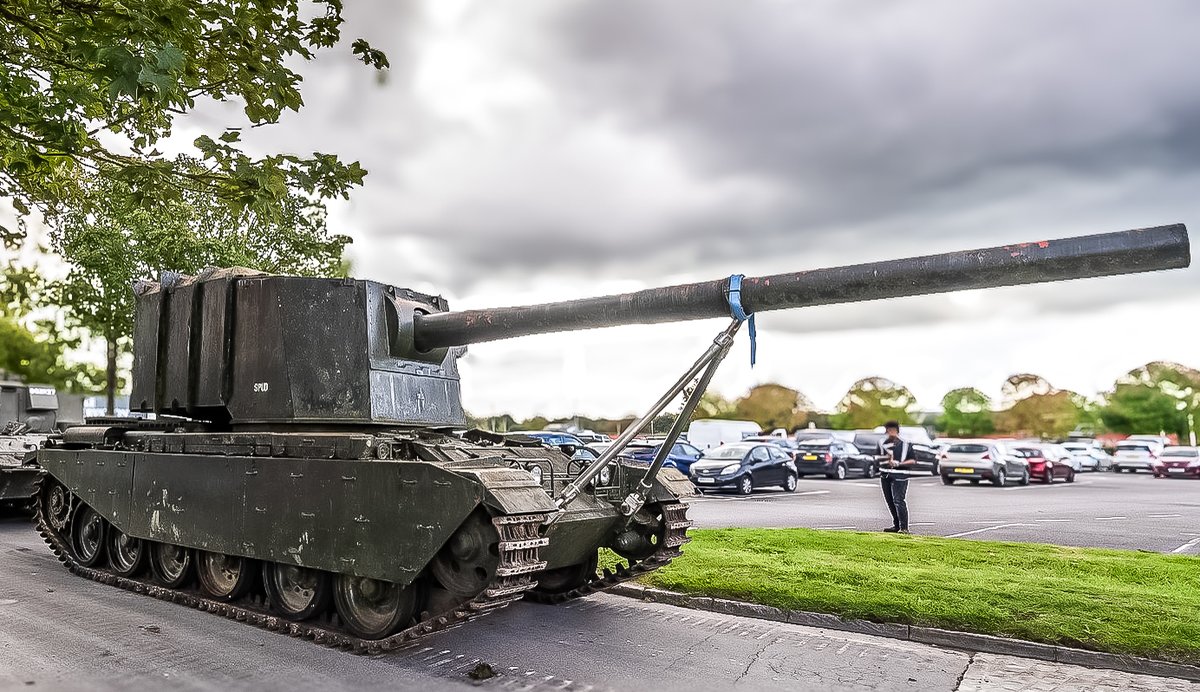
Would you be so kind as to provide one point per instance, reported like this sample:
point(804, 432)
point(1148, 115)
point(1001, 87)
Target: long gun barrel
point(1106, 254)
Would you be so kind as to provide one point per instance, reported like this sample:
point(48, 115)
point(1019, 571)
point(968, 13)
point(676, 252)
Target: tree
point(112, 241)
point(1051, 415)
point(872, 401)
point(966, 413)
point(34, 350)
point(774, 406)
point(94, 86)
point(713, 405)
point(1156, 397)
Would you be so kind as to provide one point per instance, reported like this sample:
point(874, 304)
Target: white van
point(710, 432)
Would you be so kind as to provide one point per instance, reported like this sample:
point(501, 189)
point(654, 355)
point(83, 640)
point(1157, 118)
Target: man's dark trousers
point(895, 491)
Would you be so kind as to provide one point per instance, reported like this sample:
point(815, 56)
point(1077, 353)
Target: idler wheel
point(468, 561)
point(296, 593)
point(87, 536)
point(171, 564)
point(644, 536)
point(58, 505)
point(372, 608)
point(126, 554)
point(223, 577)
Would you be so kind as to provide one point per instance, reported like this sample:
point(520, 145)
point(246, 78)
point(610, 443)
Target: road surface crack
point(963, 674)
point(753, 660)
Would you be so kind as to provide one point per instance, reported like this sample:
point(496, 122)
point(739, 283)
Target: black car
point(786, 443)
point(834, 458)
point(927, 457)
point(744, 466)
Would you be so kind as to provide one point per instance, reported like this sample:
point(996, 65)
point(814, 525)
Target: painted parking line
point(1187, 547)
point(1109, 518)
point(1050, 520)
point(986, 528)
point(1163, 516)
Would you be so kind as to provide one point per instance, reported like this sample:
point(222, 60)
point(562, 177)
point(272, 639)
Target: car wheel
point(840, 472)
point(790, 484)
point(1048, 477)
point(869, 471)
point(1000, 479)
point(746, 485)
point(947, 480)
point(1025, 477)
point(1071, 476)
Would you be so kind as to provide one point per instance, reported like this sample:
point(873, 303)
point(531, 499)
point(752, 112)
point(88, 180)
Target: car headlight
point(732, 468)
point(536, 472)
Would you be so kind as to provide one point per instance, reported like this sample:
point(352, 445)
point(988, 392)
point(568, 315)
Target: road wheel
point(224, 577)
point(126, 554)
point(87, 536)
point(790, 484)
point(746, 485)
point(296, 593)
point(1025, 477)
point(1071, 476)
point(171, 564)
point(1000, 479)
point(947, 480)
point(372, 608)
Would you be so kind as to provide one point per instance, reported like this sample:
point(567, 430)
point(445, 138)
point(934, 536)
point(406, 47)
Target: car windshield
point(1180, 453)
point(968, 449)
point(1126, 447)
point(815, 444)
point(726, 452)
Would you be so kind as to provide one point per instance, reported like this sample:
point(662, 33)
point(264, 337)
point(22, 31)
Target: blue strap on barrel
point(734, 295)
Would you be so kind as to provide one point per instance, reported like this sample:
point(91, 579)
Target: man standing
point(896, 459)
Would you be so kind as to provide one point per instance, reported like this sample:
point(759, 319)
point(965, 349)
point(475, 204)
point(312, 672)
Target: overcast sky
point(526, 152)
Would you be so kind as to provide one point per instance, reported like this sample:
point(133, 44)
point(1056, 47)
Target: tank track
point(675, 523)
point(519, 546)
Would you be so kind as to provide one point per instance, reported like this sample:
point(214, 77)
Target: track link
point(676, 524)
point(519, 563)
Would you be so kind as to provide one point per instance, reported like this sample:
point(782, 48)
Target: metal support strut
point(704, 368)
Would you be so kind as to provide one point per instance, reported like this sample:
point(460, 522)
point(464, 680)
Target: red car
point(1178, 461)
point(1043, 469)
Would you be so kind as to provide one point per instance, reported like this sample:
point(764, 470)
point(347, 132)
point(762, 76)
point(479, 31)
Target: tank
point(306, 468)
point(28, 415)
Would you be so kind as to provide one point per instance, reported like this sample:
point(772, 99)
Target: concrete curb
point(963, 641)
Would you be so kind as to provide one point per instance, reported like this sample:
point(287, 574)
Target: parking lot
point(1132, 511)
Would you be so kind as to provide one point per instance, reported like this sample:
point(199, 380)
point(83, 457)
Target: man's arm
point(909, 455)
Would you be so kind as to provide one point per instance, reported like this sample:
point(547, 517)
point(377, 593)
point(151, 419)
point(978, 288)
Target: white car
point(1059, 454)
point(1091, 457)
point(977, 460)
point(1136, 455)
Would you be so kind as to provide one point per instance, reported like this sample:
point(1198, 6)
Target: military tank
point(28, 415)
point(305, 471)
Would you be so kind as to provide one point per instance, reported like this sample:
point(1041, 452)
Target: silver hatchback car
point(978, 460)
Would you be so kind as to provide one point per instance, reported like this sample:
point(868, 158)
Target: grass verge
point(1118, 601)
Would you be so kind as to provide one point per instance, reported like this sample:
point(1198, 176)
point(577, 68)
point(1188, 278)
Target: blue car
point(681, 458)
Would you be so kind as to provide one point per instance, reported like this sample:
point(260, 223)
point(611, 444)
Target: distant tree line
point(1156, 397)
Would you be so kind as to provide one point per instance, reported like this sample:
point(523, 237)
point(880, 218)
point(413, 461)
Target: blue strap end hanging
point(734, 295)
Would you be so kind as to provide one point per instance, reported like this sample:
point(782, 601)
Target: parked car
point(568, 443)
point(591, 437)
point(1136, 455)
point(928, 458)
point(1091, 457)
point(744, 466)
point(1043, 465)
point(1178, 461)
point(707, 432)
point(977, 460)
point(834, 458)
point(911, 433)
point(1160, 440)
point(788, 444)
point(1060, 455)
point(681, 457)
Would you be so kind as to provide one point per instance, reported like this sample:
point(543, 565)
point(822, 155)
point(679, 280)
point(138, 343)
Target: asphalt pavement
point(1107, 510)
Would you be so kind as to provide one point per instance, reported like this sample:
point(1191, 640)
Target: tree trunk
point(110, 383)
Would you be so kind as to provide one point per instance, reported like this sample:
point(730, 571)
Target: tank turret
point(254, 350)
